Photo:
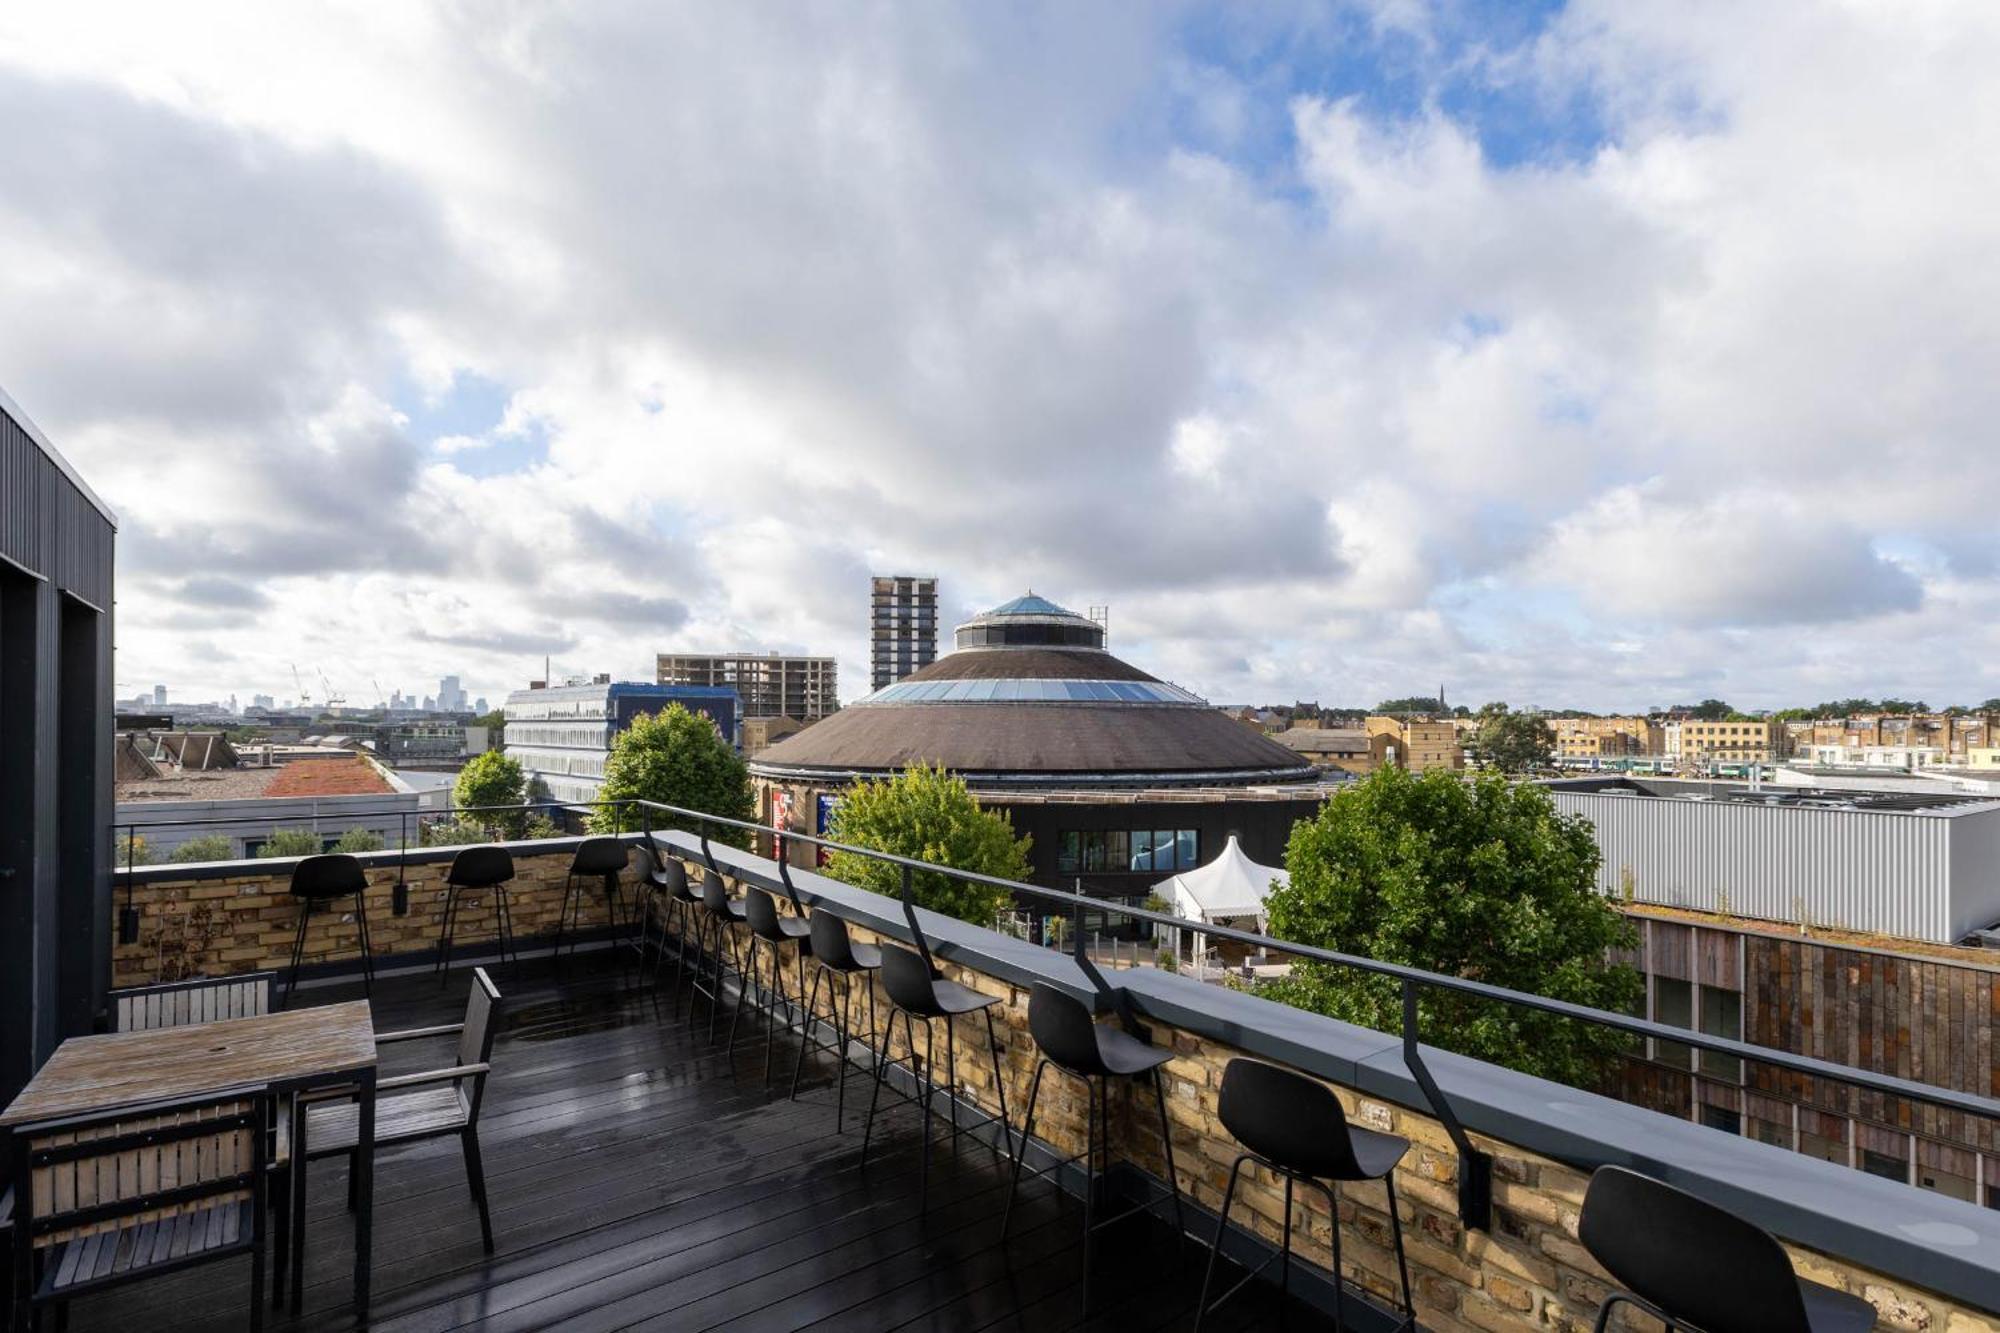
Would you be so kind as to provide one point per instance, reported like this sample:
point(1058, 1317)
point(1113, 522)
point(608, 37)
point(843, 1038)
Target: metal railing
point(1475, 1167)
point(349, 819)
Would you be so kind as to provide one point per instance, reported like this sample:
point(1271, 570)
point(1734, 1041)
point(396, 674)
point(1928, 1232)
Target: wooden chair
point(205, 1000)
point(213, 1000)
point(408, 1107)
point(119, 1196)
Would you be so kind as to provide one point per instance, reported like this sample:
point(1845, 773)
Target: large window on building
point(1673, 1005)
point(1885, 1165)
point(1133, 851)
point(1721, 1016)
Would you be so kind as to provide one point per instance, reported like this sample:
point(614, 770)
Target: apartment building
point(769, 684)
point(902, 626)
point(1606, 737)
point(1418, 744)
point(1737, 742)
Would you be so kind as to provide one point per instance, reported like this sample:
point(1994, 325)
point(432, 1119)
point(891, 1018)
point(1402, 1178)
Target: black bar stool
point(317, 882)
point(603, 857)
point(715, 947)
point(916, 991)
point(475, 870)
point(1690, 1264)
point(1293, 1127)
point(835, 955)
point(671, 903)
point(1072, 1041)
point(767, 928)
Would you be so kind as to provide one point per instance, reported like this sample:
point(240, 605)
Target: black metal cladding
point(56, 562)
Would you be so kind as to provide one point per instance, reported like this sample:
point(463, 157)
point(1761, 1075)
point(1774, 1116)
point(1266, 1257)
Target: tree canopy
point(1415, 703)
point(678, 758)
point(1482, 879)
point(1513, 742)
point(927, 814)
point(492, 778)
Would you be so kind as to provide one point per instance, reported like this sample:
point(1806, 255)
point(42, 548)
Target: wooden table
point(289, 1051)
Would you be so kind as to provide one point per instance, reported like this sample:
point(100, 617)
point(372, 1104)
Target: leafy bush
point(927, 814)
point(452, 833)
point(675, 757)
point(209, 847)
point(493, 778)
point(359, 840)
point(1482, 879)
point(290, 842)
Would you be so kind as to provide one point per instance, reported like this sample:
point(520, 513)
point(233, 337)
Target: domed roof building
point(1117, 776)
point(1031, 698)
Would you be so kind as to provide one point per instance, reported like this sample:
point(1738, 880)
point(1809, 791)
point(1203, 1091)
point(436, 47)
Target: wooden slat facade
point(1920, 1017)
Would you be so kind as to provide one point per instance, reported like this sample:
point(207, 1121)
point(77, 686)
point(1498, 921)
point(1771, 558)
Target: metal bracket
point(1475, 1168)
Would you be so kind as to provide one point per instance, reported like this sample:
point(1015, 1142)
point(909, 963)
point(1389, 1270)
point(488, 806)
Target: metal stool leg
point(1396, 1229)
point(1167, 1147)
point(298, 952)
point(367, 946)
point(445, 931)
point(1093, 1090)
point(1201, 1310)
point(1000, 1087)
point(811, 997)
point(1027, 1131)
point(924, 1111)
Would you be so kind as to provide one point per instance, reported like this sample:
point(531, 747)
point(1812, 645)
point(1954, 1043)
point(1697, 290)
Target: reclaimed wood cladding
point(1927, 1020)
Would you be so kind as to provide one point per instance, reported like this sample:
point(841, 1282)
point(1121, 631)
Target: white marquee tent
point(1228, 889)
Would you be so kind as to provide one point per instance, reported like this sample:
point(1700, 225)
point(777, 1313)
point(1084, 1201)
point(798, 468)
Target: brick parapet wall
point(215, 920)
point(1529, 1271)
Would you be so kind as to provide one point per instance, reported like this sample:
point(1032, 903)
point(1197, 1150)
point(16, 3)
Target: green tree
point(1416, 703)
point(674, 757)
point(1513, 742)
point(1481, 879)
point(209, 847)
point(927, 814)
point(1712, 710)
point(360, 840)
point(492, 778)
point(290, 842)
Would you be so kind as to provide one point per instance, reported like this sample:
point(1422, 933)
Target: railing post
point(128, 915)
point(910, 915)
point(1475, 1168)
point(399, 897)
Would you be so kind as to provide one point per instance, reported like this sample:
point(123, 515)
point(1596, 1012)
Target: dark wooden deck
point(641, 1178)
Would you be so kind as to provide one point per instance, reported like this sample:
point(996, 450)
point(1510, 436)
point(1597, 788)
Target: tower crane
point(305, 700)
point(334, 698)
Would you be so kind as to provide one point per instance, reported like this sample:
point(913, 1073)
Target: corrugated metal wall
point(56, 552)
point(1882, 873)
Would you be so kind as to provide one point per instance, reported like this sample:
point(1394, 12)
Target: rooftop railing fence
point(1475, 1167)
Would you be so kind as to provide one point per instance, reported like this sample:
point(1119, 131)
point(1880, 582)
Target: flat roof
point(1798, 798)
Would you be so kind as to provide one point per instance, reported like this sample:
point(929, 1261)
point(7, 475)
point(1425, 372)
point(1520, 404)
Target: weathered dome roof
point(1032, 698)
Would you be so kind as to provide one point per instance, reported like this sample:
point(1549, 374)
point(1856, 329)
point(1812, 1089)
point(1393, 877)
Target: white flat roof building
point(1908, 865)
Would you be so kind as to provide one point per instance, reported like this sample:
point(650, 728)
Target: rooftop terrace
point(643, 1177)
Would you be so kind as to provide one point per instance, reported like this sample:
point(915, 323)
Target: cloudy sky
point(1609, 354)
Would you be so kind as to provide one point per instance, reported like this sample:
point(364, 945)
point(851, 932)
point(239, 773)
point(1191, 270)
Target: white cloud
point(1025, 295)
